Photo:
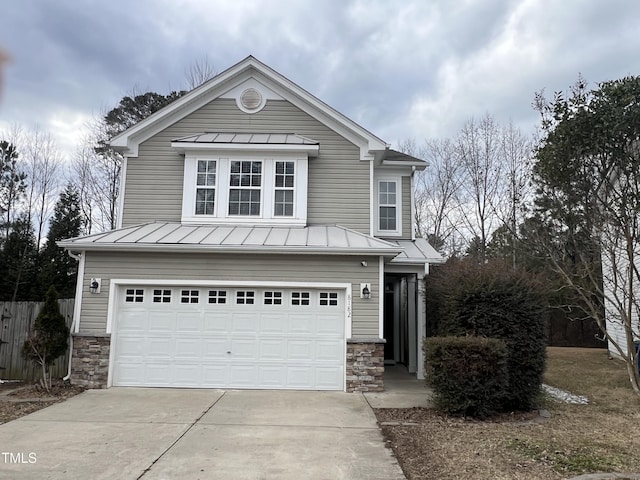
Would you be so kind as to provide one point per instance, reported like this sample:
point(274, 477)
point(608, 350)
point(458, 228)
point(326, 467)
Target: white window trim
point(398, 231)
point(267, 195)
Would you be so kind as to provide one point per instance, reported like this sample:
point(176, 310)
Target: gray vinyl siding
point(406, 207)
point(227, 267)
point(338, 181)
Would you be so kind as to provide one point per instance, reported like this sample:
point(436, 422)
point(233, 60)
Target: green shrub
point(496, 301)
point(468, 374)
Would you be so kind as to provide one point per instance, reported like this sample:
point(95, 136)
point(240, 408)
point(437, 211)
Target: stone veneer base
point(90, 360)
point(365, 365)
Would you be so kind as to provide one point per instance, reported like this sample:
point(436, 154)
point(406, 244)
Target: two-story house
point(264, 241)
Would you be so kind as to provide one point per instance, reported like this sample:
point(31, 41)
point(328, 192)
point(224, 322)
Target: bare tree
point(43, 162)
point(80, 175)
point(96, 173)
point(437, 189)
point(482, 186)
point(199, 72)
point(516, 151)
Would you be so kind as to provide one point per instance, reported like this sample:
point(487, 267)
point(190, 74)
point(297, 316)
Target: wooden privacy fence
point(16, 318)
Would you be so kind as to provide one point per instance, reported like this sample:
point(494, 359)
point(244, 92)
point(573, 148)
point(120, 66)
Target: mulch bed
point(18, 399)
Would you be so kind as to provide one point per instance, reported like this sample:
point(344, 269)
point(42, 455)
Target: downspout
point(412, 222)
point(76, 307)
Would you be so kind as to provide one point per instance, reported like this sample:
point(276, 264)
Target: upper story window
point(284, 189)
point(245, 182)
point(245, 189)
point(206, 187)
point(388, 207)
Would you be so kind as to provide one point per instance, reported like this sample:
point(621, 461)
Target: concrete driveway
point(145, 433)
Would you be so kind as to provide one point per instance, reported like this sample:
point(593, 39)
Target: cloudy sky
point(403, 69)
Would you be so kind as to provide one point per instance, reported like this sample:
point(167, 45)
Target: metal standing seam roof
point(183, 237)
point(247, 138)
point(417, 251)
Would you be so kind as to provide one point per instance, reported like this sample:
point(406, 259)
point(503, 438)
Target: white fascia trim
point(195, 147)
point(390, 252)
point(396, 163)
point(115, 283)
point(381, 297)
point(123, 185)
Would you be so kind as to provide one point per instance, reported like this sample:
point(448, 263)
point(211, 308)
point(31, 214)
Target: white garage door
point(229, 338)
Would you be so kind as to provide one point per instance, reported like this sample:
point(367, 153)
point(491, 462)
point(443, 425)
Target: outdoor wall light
point(364, 263)
point(365, 291)
point(94, 286)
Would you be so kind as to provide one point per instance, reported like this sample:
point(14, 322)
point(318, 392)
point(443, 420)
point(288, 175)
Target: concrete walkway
point(141, 433)
point(402, 390)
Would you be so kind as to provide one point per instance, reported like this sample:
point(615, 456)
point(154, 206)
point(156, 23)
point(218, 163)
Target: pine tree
point(18, 260)
point(48, 339)
point(57, 268)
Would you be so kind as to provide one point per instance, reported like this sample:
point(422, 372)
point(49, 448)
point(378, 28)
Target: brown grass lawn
point(576, 439)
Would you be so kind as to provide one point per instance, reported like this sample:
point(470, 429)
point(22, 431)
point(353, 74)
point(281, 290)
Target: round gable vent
point(251, 99)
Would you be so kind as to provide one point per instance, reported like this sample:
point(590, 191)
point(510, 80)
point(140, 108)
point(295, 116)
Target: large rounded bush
point(496, 301)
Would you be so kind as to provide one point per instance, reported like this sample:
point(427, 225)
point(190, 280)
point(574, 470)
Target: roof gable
point(249, 71)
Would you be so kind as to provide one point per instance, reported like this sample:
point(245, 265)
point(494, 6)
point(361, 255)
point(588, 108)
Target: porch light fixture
point(94, 286)
point(366, 291)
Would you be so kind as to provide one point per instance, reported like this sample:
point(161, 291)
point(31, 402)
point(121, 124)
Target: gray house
point(264, 241)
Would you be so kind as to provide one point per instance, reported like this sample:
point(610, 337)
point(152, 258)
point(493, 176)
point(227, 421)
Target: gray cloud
point(401, 69)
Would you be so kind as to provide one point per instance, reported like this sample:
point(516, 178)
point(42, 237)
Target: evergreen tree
point(57, 268)
point(12, 185)
point(18, 262)
point(48, 339)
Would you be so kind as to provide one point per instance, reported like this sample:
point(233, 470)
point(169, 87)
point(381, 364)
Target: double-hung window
point(206, 187)
point(388, 208)
point(284, 189)
point(245, 187)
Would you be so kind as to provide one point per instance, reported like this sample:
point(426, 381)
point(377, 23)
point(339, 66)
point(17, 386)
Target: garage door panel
point(329, 325)
point(243, 375)
point(328, 377)
point(301, 323)
point(244, 348)
point(158, 374)
point(273, 349)
point(161, 322)
point(217, 321)
point(272, 376)
point(188, 348)
point(189, 322)
point(244, 322)
point(300, 376)
point(215, 348)
point(130, 373)
point(133, 321)
point(300, 350)
point(160, 348)
point(186, 374)
point(128, 346)
point(274, 342)
point(273, 323)
point(215, 375)
point(329, 350)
